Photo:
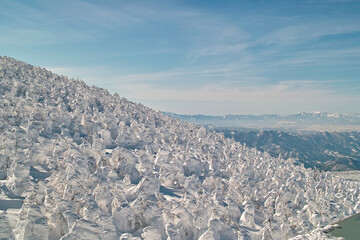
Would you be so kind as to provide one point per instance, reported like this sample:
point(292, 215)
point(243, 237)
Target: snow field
point(79, 163)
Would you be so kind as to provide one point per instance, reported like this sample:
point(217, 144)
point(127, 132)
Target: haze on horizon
point(198, 57)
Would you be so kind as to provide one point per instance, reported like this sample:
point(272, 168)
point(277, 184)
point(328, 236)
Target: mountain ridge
point(304, 121)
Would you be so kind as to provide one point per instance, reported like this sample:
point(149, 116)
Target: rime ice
point(79, 163)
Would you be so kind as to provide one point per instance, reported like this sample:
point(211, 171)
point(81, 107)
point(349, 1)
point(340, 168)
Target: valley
point(326, 141)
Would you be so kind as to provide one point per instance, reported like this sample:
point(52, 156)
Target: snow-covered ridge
point(79, 163)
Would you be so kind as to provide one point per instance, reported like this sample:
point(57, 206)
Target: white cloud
point(284, 97)
point(284, 91)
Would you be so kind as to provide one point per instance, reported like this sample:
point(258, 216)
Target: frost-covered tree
point(80, 163)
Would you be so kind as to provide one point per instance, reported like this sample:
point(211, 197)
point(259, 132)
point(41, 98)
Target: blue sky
point(208, 57)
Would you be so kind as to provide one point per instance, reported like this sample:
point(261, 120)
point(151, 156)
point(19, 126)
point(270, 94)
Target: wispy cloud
point(175, 51)
point(96, 14)
point(284, 91)
point(340, 58)
point(171, 75)
point(304, 32)
point(287, 96)
point(25, 24)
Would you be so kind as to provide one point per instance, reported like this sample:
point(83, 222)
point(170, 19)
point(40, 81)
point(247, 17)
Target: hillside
point(330, 151)
point(79, 163)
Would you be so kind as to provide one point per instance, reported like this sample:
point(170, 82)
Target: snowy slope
point(330, 151)
point(79, 163)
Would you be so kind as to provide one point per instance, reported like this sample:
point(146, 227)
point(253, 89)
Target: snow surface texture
point(79, 163)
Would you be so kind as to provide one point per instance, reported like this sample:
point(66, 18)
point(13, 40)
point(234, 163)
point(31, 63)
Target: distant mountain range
point(314, 121)
point(328, 141)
